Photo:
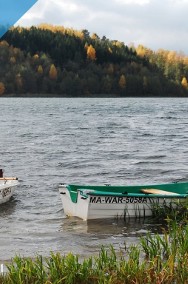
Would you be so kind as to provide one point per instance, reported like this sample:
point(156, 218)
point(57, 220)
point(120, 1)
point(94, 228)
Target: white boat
point(97, 202)
point(7, 186)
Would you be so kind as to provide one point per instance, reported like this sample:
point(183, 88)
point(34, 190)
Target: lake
point(47, 141)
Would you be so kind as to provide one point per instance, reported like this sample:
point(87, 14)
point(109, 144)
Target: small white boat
point(97, 202)
point(7, 186)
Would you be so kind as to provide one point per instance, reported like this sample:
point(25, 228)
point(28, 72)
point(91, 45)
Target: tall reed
point(157, 259)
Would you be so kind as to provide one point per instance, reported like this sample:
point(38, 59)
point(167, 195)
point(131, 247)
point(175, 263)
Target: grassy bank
point(156, 259)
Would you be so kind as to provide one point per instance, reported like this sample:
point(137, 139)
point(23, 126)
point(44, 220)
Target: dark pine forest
point(55, 61)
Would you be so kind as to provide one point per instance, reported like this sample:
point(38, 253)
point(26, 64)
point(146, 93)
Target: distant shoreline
point(90, 96)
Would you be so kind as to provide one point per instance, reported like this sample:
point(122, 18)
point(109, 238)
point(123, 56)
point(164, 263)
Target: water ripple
point(48, 141)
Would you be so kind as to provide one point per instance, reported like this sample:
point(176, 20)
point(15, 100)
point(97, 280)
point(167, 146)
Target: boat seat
point(157, 191)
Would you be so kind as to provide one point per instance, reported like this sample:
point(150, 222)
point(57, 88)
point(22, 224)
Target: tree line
point(55, 61)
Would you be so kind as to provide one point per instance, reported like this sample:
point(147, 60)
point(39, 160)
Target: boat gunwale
point(127, 188)
point(117, 194)
point(89, 190)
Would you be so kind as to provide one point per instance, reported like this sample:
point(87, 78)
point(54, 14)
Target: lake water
point(47, 141)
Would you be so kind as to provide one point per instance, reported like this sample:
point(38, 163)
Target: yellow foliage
point(184, 83)
point(53, 72)
point(4, 43)
point(36, 57)
point(81, 35)
point(122, 82)
point(61, 29)
point(118, 44)
point(110, 50)
point(91, 53)
point(162, 52)
point(185, 60)
point(172, 56)
point(12, 60)
point(19, 81)
point(40, 70)
point(2, 88)
point(143, 51)
point(52, 28)
point(94, 36)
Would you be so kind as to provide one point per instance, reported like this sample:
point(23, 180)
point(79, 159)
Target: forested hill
point(64, 62)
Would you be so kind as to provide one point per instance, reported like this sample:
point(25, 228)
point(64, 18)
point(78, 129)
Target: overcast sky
point(152, 23)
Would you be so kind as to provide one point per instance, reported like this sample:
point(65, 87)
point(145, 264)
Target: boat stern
point(7, 189)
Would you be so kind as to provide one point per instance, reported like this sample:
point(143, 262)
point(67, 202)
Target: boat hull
point(89, 205)
point(110, 207)
point(6, 190)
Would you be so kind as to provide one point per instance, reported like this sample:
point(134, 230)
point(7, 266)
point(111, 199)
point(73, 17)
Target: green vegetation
point(65, 62)
point(158, 259)
point(176, 210)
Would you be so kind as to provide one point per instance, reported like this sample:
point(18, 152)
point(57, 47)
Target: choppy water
point(48, 141)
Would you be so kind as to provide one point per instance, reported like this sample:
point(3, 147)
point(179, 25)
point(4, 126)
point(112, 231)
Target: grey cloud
point(157, 24)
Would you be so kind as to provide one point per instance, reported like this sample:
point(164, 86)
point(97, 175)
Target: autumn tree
point(122, 82)
point(95, 36)
point(184, 83)
point(36, 57)
point(19, 82)
point(110, 69)
point(91, 53)
point(40, 70)
point(53, 72)
point(51, 59)
point(2, 88)
point(12, 60)
point(142, 50)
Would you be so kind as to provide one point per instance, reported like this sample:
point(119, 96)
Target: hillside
point(65, 62)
